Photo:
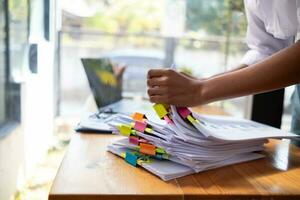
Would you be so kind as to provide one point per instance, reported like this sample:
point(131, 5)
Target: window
point(202, 37)
point(13, 44)
point(18, 37)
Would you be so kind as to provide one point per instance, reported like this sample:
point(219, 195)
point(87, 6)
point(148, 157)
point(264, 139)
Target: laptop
point(107, 92)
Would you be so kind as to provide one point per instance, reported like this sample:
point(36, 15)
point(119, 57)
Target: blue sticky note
point(131, 158)
point(159, 156)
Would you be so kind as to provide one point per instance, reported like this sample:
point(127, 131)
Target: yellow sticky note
point(132, 124)
point(160, 110)
point(148, 130)
point(123, 154)
point(190, 118)
point(125, 130)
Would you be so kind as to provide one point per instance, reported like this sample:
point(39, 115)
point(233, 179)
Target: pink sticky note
point(168, 120)
point(142, 140)
point(134, 140)
point(140, 126)
point(183, 111)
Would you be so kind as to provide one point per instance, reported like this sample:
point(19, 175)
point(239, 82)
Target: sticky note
point(123, 154)
point(148, 130)
point(144, 160)
point(131, 158)
point(125, 130)
point(138, 116)
point(134, 140)
point(167, 119)
point(142, 140)
point(183, 111)
point(132, 124)
point(159, 156)
point(148, 149)
point(140, 126)
point(133, 132)
point(160, 150)
point(190, 118)
point(160, 110)
point(165, 156)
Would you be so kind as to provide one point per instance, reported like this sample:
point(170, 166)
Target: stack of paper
point(188, 143)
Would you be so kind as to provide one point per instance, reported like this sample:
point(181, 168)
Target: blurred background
point(43, 87)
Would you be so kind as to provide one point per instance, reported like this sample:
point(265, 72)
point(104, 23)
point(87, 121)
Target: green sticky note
point(160, 110)
point(160, 150)
point(125, 130)
point(165, 156)
point(133, 132)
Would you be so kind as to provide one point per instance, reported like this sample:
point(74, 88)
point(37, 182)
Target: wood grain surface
point(88, 171)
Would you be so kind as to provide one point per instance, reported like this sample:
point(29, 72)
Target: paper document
point(186, 142)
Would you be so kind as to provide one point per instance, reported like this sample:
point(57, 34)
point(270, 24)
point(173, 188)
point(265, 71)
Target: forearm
point(277, 71)
point(229, 71)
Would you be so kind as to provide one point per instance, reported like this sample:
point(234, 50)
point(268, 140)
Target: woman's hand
point(171, 87)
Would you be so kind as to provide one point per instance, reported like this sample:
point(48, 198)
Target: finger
point(159, 81)
point(158, 72)
point(157, 99)
point(157, 91)
point(187, 75)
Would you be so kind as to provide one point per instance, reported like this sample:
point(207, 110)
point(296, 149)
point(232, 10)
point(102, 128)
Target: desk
point(88, 171)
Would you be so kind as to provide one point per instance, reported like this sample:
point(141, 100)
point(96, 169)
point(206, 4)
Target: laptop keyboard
point(103, 115)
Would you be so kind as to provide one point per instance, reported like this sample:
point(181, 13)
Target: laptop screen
point(104, 84)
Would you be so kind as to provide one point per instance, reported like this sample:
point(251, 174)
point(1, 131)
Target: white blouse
point(272, 26)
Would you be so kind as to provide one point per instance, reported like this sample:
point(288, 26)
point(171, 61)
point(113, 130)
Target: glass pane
point(2, 64)
point(207, 38)
point(18, 16)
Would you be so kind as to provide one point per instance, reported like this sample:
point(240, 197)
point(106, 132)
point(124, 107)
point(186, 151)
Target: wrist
point(198, 92)
point(203, 91)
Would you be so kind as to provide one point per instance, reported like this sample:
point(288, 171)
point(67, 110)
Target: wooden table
point(88, 171)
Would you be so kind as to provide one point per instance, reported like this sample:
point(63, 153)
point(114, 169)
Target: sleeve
point(261, 44)
point(298, 19)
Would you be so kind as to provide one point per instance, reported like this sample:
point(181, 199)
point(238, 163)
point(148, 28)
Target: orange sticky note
point(148, 149)
point(138, 116)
